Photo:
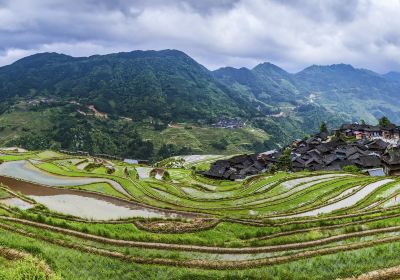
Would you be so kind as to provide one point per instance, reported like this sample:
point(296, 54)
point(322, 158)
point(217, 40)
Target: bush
point(27, 269)
point(351, 169)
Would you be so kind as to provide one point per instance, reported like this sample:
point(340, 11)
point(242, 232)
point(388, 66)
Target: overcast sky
point(292, 34)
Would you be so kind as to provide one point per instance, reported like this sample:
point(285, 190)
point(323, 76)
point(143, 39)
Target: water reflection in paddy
point(92, 208)
point(85, 205)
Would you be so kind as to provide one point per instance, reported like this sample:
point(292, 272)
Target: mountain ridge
point(168, 86)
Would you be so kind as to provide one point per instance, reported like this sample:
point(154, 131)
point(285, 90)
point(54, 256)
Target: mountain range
point(158, 103)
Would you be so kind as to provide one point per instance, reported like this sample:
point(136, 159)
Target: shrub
point(27, 269)
point(351, 168)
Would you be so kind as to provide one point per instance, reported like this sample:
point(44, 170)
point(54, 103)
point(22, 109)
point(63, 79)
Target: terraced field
point(70, 221)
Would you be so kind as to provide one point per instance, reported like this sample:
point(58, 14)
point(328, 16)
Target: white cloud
point(292, 34)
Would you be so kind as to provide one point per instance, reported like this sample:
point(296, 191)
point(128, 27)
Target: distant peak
point(232, 69)
point(47, 55)
point(393, 75)
point(341, 67)
point(43, 58)
point(268, 67)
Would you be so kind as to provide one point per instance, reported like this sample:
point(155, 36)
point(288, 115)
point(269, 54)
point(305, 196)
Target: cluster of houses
point(319, 153)
point(229, 123)
point(389, 133)
point(374, 149)
point(242, 166)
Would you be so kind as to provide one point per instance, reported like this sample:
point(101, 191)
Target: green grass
point(15, 157)
point(4, 194)
point(104, 188)
point(25, 269)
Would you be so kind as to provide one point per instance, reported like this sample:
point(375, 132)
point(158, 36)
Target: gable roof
point(375, 172)
point(329, 159)
point(368, 161)
point(392, 157)
point(378, 144)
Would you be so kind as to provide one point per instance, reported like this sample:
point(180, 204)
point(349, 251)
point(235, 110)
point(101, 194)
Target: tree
point(220, 145)
point(362, 122)
point(323, 127)
point(384, 121)
point(284, 161)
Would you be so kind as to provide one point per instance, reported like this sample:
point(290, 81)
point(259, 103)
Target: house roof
point(355, 156)
point(375, 172)
point(391, 157)
point(329, 159)
point(313, 160)
point(322, 135)
point(347, 151)
point(323, 148)
point(298, 160)
point(368, 161)
point(378, 144)
point(368, 128)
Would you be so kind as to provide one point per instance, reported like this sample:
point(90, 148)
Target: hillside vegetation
point(119, 103)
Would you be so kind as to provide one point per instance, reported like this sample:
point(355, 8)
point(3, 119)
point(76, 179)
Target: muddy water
point(85, 205)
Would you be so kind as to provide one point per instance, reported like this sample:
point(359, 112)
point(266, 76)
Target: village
point(372, 149)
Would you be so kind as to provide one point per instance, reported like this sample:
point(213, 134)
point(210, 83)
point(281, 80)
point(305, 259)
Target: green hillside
point(167, 85)
point(61, 126)
point(146, 104)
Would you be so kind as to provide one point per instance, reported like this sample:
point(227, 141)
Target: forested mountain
point(265, 82)
point(357, 93)
point(158, 103)
point(352, 93)
point(392, 75)
point(166, 85)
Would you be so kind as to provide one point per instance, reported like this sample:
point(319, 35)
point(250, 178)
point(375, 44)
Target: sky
point(292, 34)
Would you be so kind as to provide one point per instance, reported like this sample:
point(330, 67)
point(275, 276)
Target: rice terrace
point(79, 217)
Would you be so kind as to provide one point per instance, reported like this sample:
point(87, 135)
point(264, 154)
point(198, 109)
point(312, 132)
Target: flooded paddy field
point(24, 170)
point(82, 204)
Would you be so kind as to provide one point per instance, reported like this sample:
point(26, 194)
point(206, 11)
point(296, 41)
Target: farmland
point(74, 217)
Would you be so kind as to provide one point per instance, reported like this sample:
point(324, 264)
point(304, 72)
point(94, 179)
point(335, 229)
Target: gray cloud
point(292, 34)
